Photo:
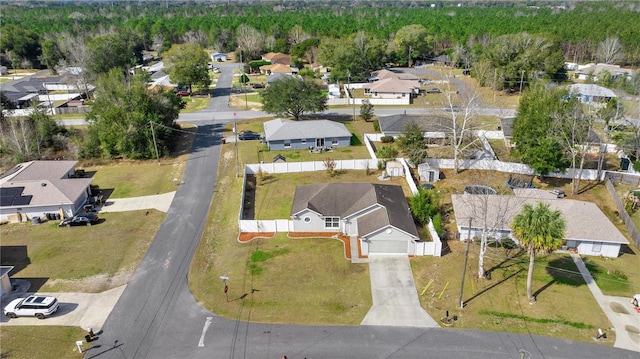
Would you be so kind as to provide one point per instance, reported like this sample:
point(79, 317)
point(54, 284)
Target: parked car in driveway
point(38, 306)
point(433, 90)
point(249, 135)
point(257, 86)
point(85, 219)
point(183, 93)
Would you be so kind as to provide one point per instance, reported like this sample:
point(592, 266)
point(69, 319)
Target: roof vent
point(42, 184)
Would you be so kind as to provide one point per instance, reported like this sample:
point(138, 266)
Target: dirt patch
point(94, 284)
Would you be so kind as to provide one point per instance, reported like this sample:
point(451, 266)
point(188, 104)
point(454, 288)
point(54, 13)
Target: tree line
point(578, 29)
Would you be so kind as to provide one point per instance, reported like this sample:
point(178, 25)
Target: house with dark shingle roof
point(377, 214)
point(290, 135)
point(588, 230)
point(436, 129)
point(39, 187)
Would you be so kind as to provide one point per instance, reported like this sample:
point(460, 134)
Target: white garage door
point(391, 247)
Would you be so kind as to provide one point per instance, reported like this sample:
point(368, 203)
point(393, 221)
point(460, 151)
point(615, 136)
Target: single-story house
point(277, 76)
point(377, 214)
point(386, 74)
point(591, 70)
point(436, 129)
point(283, 134)
point(277, 68)
point(35, 188)
point(392, 88)
point(495, 213)
point(41, 88)
point(277, 58)
point(590, 93)
point(218, 57)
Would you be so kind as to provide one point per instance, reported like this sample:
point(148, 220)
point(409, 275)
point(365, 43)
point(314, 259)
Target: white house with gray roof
point(377, 214)
point(587, 228)
point(39, 187)
point(290, 135)
point(590, 93)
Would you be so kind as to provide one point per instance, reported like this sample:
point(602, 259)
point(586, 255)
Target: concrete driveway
point(161, 202)
point(395, 298)
point(85, 310)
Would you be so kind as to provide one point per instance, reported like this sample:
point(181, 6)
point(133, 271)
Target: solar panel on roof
point(21, 201)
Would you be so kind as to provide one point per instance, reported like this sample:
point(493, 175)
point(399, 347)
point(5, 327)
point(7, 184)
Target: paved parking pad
point(395, 298)
point(161, 202)
point(85, 310)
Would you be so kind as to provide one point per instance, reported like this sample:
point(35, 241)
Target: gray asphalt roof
point(591, 90)
point(396, 123)
point(280, 129)
point(584, 220)
point(347, 199)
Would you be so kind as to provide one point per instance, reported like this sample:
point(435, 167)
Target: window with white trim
point(287, 144)
point(331, 222)
point(307, 219)
point(334, 141)
point(303, 141)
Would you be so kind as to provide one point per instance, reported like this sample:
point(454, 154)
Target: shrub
point(437, 224)
point(387, 152)
point(376, 126)
point(386, 139)
point(618, 274)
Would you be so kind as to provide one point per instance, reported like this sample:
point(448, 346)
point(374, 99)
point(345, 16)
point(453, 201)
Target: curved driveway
point(157, 316)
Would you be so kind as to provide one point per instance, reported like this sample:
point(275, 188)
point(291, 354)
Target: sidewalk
point(619, 310)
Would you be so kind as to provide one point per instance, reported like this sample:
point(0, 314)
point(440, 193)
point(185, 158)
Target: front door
point(319, 142)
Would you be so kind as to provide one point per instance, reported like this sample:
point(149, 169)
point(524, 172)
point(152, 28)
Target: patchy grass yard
point(297, 280)
point(79, 259)
point(27, 342)
point(285, 264)
point(565, 307)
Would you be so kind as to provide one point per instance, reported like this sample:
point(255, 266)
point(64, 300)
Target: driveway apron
point(395, 299)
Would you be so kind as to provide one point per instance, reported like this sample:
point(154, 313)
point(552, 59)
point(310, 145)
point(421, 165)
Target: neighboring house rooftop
point(595, 69)
point(386, 74)
point(392, 85)
point(345, 200)
point(276, 68)
point(41, 183)
point(501, 210)
point(591, 90)
point(430, 124)
point(280, 129)
point(277, 58)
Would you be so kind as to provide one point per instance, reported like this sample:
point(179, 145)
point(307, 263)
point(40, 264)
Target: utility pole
point(464, 270)
point(521, 80)
point(155, 144)
point(409, 59)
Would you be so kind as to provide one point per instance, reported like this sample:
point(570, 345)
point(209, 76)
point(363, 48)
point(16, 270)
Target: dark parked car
point(183, 93)
point(257, 86)
point(86, 219)
point(249, 135)
point(427, 186)
point(433, 90)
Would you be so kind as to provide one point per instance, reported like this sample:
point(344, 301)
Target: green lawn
point(60, 259)
point(27, 342)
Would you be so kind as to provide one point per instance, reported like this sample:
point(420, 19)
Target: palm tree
point(538, 229)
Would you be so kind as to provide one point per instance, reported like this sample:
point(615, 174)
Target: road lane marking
point(207, 323)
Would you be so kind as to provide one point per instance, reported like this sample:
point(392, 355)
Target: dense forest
point(577, 26)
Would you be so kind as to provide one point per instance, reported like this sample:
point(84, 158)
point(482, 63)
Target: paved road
point(157, 316)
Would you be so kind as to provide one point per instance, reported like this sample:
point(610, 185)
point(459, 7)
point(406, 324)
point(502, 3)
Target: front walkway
point(619, 310)
point(395, 298)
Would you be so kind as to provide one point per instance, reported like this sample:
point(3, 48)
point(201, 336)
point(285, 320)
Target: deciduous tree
point(186, 64)
point(123, 115)
point(609, 50)
point(366, 110)
point(292, 96)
